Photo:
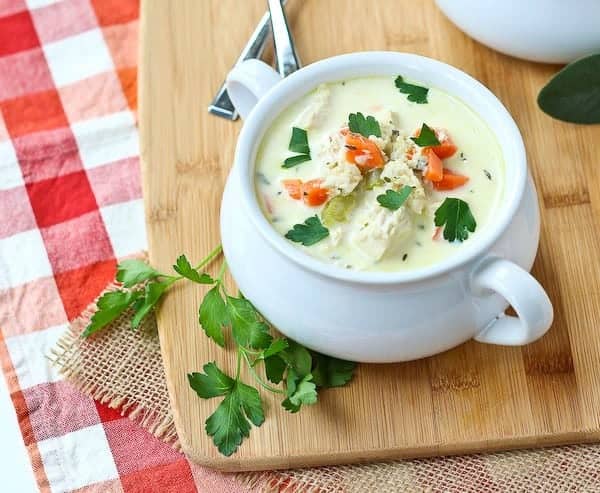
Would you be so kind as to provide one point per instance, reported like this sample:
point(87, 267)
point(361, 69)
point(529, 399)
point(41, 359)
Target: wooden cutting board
point(474, 398)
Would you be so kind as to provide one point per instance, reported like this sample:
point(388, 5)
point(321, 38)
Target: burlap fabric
point(123, 368)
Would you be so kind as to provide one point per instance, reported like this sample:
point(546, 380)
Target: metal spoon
point(286, 58)
point(221, 105)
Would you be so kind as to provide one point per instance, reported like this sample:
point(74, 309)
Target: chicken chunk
point(315, 111)
point(379, 227)
point(339, 176)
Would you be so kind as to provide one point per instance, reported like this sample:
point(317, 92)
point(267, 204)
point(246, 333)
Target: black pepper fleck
point(487, 174)
point(404, 257)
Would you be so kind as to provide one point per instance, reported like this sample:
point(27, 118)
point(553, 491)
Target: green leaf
point(229, 425)
point(573, 94)
point(275, 368)
point(331, 372)
point(299, 141)
point(110, 306)
point(134, 271)
point(394, 200)
point(309, 233)
point(456, 215)
point(212, 383)
point(152, 295)
point(368, 126)
point(276, 346)
point(295, 160)
point(250, 400)
point(298, 358)
point(288, 406)
point(337, 209)
point(214, 315)
point(247, 329)
point(416, 94)
point(305, 392)
point(426, 137)
point(299, 390)
point(185, 269)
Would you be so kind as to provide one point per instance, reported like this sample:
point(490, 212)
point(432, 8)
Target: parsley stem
point(256, 376)
point(215, 251)
point(239, 364)
point(222, 271)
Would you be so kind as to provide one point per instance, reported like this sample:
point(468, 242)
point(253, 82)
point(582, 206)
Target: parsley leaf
point(213, 315)
point(300, 390)
point(331, 372)
point(185, 269)
point(275, 368)
point(276, 346)
point(134, 271)
point(394, 200)
point(299, 141)
point(292, 161)
point(456, 215)
point(309, 233)
point(152, 295)
point(212, 383)
point(229, 424)
point(110, 306)
point(368, 126)
point(416, 94)
point(247, 329)
point(298, 358)
point(426, 137)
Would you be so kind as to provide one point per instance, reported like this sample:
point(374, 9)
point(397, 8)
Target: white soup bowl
point(384, 316)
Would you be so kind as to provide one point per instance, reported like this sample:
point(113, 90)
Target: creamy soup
point(379, 173)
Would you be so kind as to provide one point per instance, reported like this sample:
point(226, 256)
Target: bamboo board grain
point(473, 398)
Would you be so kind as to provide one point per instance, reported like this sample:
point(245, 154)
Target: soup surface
point(379, 173)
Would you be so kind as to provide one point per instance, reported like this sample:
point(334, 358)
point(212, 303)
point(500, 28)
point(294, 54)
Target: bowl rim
point(377, 63)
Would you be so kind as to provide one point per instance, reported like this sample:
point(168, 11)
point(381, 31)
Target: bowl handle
point(249, 81)
point(523, 292)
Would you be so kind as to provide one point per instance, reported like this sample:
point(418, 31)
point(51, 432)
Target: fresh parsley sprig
point(299, 144)
point(142, 289)
point(309, 233)
point(358, 124)
point(416, 94)
point(294, 372)
point(392, 199)
point(456, 217)
point(426, 137)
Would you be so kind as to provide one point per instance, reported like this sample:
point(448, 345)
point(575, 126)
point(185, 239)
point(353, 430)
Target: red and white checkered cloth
point(70, 205)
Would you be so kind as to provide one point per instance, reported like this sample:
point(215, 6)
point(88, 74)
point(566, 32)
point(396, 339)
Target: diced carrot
point(434, 170)
point(450, 181)
point(362, 151)
point(313, 194)
point(310, 191)
point(446, 148)
point(294, 188)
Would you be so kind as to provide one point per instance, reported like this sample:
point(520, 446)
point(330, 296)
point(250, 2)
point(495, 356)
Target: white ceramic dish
point(377, 316)
point(554, 31)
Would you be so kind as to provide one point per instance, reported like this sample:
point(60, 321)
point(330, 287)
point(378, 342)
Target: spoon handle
point(221, 105)
point(287, 60)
